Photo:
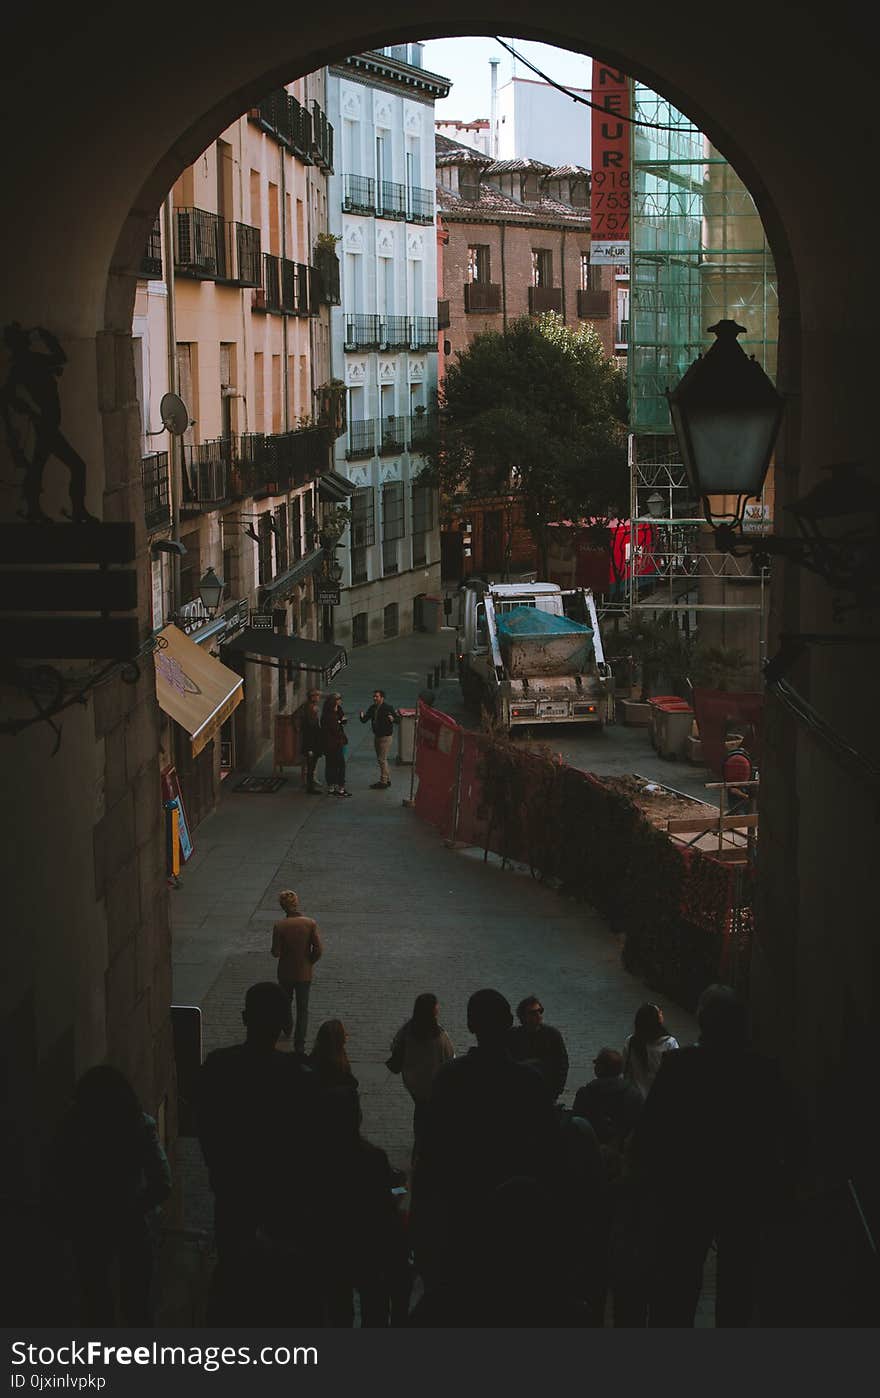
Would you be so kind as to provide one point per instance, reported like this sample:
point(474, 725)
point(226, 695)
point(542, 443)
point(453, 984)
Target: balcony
point(327, 268)
point(421, 206)
point(593, 305)
point(482, 297)
point(543, 299)
point(312, 283)
point(394, 333)
point(151, 262)
point(322, 140)
point(298, 457)
point(358, 194)
point(393, 435)
point(361, 332)
point(422, 427)
point(283, 117)
point(206, 475)
point(200, 245)
point(621, 336)
point(268, 296)
point(361, 440)
point(442, 315)
point(157, 491)
point(289, 279)
point(247, 254)
point(423, 332)
point(392, 200)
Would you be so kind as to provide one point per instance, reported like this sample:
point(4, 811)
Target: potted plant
point(656, 646)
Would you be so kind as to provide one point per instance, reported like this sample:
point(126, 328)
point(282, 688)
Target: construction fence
point(685, 918)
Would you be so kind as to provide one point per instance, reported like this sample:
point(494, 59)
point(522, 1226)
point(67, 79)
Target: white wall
point(537, 122)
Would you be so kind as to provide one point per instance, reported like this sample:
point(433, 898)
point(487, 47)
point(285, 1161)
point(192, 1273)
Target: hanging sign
point(610, 181)
point(327, 592)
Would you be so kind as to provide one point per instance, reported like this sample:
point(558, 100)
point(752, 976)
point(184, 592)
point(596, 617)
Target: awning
point(334, 488)
point(321, 657)
point(193, 688)
point(279, 588)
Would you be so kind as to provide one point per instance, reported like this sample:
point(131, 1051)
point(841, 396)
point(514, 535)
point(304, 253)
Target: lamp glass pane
point(731, 452)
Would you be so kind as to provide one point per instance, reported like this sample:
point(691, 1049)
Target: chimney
point(493, 108)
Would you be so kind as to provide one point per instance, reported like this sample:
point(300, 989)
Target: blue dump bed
point(535, 643)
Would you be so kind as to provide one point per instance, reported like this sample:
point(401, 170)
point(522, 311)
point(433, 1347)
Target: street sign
point(756, 519)
point(326, 593)
point(262, 621)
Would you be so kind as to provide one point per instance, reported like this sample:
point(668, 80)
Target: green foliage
point(716, 667)
point(534, 411)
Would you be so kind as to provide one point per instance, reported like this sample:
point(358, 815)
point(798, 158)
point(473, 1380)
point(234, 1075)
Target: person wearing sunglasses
point(532, 1041)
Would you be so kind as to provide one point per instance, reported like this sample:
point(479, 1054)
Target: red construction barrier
point(437, 755)
point(473, 819)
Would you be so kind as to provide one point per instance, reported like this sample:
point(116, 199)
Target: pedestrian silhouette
point(31, 408)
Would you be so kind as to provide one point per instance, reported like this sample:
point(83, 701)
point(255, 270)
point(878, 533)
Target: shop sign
point(610, 181)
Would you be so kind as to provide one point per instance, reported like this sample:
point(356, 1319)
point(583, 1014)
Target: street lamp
point(335, 571)
point(654, 503)
point(726, 415)
point(211, 591)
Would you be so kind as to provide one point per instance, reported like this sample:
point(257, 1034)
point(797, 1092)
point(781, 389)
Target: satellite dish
point(174, 414)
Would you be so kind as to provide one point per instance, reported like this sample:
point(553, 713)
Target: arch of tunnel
point(107, 112)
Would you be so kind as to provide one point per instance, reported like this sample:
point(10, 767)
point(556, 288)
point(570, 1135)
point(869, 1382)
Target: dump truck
point(530, 654)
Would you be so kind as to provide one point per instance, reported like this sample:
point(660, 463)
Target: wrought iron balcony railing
point(392, 200)
point(622, 336)
point(361, 439)
point(151, 262)
point(289, 279)
point(313, 278)
point(206, 474)
point(393, 435)
point(247, 254)
point(394, 332)
point(423, 332)
point(593, 305)
point(361, 332)
point(327, 268)
point(157, 490)
point(283, 117)
point(358, 194)
point(421, 206)
point(422, 427)
point(544, 298)
point(322, 139)
point(200, 244)
point(482, 297)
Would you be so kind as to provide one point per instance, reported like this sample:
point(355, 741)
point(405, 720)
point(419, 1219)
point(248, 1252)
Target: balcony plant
point(334, 524)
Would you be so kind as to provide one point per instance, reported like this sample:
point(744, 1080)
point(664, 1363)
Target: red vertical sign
point(610, 186)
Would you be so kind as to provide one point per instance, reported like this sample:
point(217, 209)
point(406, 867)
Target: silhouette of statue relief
point(29, 399)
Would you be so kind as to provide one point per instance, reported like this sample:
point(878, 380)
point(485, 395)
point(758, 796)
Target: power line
point(576, 97)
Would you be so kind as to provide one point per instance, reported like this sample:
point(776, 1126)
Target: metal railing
point(247, 254)
point(484, 297)
point(622, 336)
point(151, 262)
point(327, 269)
point(421, 427)
point(157, 490)
point(322, 139)
point(206, 473)
point(420, 205)
point(394, 333)
point(361, 332)
point(544, 298)
point(200, 244)
point(392, 200)
point(593, 305)
point(271, 282)
point(304, 293)
point(361, 439)
point(289, 278)
point(393, 435)
point(423, 332)
point(288, 121)
point(358, 194)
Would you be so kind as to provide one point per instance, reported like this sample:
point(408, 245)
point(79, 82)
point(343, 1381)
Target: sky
point(466, 63)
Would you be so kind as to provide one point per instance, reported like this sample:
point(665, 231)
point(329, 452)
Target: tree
point(534, 411)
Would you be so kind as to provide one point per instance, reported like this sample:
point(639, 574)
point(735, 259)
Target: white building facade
point(538, 122)
point(381, 200)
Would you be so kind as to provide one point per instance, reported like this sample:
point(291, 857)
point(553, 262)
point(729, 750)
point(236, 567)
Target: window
point(591, 277)
point(359, 629)
point(478, 263)
point(296, 528)
point(390, 618)
point(393, 525)
point(311, 528)
point(542, 267)
point(281, 538)
point(363, 532)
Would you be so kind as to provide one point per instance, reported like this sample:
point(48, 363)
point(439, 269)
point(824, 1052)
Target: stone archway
point(106, 120)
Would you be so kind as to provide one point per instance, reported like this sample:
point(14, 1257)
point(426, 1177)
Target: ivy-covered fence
point(685, 918)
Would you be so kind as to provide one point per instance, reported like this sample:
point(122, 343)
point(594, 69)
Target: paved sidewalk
point(399, 913)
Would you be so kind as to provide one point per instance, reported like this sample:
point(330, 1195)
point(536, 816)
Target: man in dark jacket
point(535, 1042)
point(610, 1102)
point(383, 717)
point(311, 739)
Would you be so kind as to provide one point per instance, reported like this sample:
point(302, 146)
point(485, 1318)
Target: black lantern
point(211, 590)
point(726, 414)
point(335, 571)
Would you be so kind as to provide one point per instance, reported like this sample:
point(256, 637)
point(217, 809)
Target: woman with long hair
point(108, 1174)
point(335, 742)
point(418, 1051)
point(645, 1047)
point(329, 1058)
